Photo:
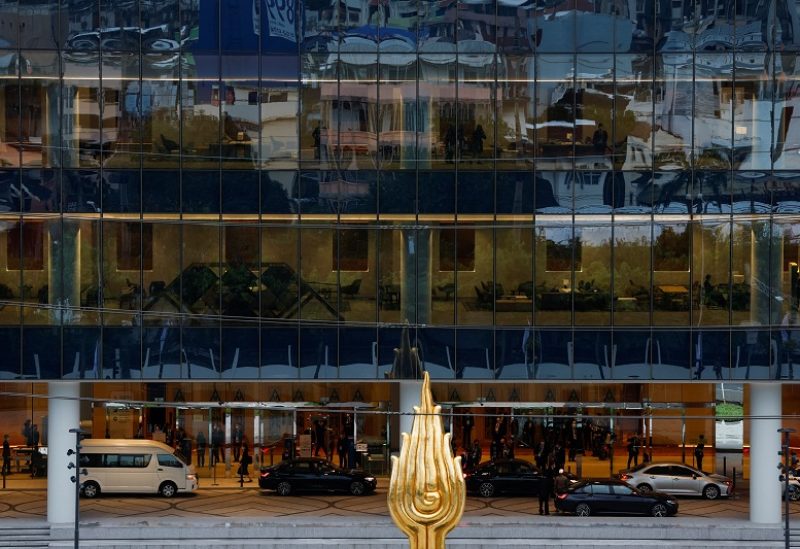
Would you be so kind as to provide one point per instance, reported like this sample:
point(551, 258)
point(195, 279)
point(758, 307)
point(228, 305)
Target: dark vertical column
point(765, 279)
point(64, 270)
point(416, 263)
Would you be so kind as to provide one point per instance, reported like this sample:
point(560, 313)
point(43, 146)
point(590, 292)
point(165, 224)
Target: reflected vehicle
point(503, 476)
point(614, 497)
point(314, 475)
point(124, 38)
point(678, 479)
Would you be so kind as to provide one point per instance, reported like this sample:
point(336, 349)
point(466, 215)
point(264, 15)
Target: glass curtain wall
point(193, 190)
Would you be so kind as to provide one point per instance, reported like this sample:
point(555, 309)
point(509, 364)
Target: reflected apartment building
point(239, 212)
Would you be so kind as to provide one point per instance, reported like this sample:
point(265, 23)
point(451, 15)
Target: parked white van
point(143, 466)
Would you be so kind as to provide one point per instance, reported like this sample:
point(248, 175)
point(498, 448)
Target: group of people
point(240, 446)
point(30, 432)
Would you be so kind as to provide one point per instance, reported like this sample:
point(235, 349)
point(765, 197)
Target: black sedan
point(314, 474)
point(503, 476)
point(614, 496)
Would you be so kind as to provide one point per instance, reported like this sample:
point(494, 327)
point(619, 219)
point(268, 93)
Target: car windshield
point(180, 456)
point(578, 486)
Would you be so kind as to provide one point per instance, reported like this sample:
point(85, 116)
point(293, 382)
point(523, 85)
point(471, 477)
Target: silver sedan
point(677, 479)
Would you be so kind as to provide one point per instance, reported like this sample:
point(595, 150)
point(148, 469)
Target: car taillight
point(264, 474)
point(562, 496)
point(624, 476)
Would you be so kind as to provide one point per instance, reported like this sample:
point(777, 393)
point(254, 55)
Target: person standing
point(341, 449)
point(499, 430)
point(495, 448)
point(185, 444)
point(541, 454)
point(201, 442)
point(475, 455)
point(217, 442)
point(527, 433)
point(466, 431)
point(450, 143)
point(319, 438)
point(35, 436)
point(317, 137)
point(600, 140)
point(633, 451)
point(478, 136)
point(26, 432)
point(236, 440)
point(699, 452)
point(244, 463)
point(245, 444)
point(560, 484)
point(545, 489)
point(6, 456)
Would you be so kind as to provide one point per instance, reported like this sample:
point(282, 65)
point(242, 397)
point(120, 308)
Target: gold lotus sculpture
point(426, 492)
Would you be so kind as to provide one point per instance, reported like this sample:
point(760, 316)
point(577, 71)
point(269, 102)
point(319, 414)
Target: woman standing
point(244, 463)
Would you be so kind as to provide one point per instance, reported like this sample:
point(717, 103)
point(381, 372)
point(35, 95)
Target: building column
point(765, 443)
point(63, 277)
point(766, 259)
point(63, 414)
point(415, 292)
point(409, 397)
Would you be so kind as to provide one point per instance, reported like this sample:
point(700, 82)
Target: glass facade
point(234, 189)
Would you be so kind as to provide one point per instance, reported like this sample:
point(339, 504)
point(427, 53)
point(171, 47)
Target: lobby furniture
point(448, 289)
point(351, 290)
point(514, 304)
point(389, 296)
point(526, 288)
point(673, 297)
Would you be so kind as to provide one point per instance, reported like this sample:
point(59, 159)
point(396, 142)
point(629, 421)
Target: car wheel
point(659, 510)
point(583, 510)
point(646, 488)
point(357, 488)
point(91, 490)
point(168, 489)
point(161, 45)
point(284, 488)
point(794, 493)
point(83, 43)
point(486, 489)
point(711, 491)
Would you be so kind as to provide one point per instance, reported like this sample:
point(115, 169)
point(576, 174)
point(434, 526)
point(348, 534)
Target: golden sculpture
point(426, 492)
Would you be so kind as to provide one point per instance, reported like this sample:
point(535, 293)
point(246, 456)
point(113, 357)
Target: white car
point(131, 466)
point(677, 479)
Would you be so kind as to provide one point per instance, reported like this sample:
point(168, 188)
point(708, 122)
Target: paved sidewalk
point(228, 500)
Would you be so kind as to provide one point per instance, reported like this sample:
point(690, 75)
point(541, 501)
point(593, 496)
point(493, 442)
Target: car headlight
point(191, 477)
point(369, 479)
